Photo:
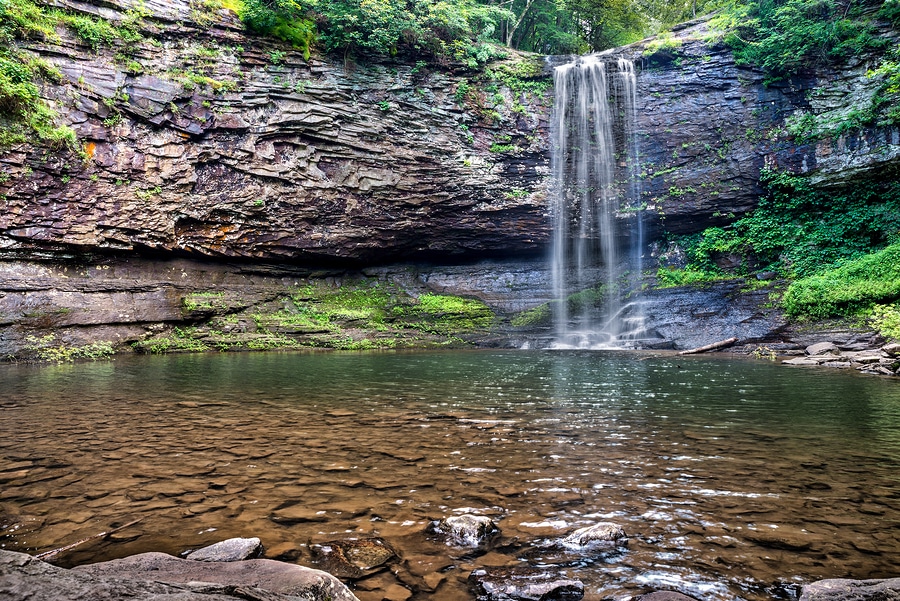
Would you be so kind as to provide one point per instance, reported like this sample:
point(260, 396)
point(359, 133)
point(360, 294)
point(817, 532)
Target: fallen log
point(48, 554)
point(709, 347)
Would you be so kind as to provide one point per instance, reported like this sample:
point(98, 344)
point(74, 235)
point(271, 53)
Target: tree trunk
point(710, 347)
point(512, 30)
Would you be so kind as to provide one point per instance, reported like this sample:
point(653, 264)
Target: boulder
point(822, 348)
point(465, 530)
point(24, 577)
point(603, 532)
point(523, 584)
point(273, 576)
point(892, 349)
point(840, 589)
point(803, 361)
point(233, 549)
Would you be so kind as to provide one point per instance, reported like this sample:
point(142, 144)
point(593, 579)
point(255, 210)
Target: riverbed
point(734, 478)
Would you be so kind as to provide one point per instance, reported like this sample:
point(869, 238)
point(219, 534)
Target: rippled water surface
point(733, 478)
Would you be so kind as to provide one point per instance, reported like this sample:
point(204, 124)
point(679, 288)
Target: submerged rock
point(233, 549)
point(523, 584)
point(465, 530)
point(840, 589)
point(159, 576)
point(603, 532)
point(353, 558)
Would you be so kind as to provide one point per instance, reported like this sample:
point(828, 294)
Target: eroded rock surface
point(852, 590)
point(233, 549)
point(882, 361)
point(353, 558)
point(206, 141)
point(160, 576)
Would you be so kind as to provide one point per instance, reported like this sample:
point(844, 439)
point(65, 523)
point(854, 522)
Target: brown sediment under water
point(733, 478)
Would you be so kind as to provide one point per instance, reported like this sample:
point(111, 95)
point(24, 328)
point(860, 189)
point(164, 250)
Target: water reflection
point(734, 478)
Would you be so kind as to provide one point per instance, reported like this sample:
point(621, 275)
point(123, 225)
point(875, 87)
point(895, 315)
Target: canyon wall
point(220, 153)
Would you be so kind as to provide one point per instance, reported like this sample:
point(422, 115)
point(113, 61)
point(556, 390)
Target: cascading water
point(597, 235)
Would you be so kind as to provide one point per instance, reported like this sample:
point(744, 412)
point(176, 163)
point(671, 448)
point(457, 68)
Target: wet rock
point(822, 348)
point(664, 596)
point(604, 532)
point(852, 590)
point(523, 584)
point(158, 576)
point(783, 537)
point(465, 530)
point(233, 549)
point(689, 317)
point(298, 514)
point(802, 361)
point(353, 558)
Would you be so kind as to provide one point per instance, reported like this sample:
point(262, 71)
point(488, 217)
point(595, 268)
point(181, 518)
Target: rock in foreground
point(523, 584)
point(353, 558)
point(604, 533)
point(233, 549)
point(840, 589)
point(465, 530)
point(159, 576)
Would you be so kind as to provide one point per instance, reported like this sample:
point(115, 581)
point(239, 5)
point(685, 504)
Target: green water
point(733, 478)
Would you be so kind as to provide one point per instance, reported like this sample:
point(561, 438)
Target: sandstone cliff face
point(201, 140)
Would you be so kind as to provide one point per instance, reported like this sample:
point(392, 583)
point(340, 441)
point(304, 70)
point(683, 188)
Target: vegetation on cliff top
point(464, 29)
point(786, 37)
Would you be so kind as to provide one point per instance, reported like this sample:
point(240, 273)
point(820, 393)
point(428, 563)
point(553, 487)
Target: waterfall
point(597, 236)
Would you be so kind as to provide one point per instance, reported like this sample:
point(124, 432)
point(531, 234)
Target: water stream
point(597, 235)
point(734, 478)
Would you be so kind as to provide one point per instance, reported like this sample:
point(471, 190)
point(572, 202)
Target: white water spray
point(597, 235)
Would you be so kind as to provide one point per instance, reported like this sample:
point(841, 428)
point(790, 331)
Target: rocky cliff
point(201, 143)
point(200, 140)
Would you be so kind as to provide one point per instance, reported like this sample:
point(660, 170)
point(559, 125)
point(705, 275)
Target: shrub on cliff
point(22, 111)
point(849, 289)
point(456, 29)
point(799, 230)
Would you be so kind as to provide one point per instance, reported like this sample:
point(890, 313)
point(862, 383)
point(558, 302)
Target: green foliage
point(785, 36)
point(669, 277)
point(798, 230)
point(501, 148)
point(879, 105)
point(458, 29)
point(448, 315)
point(204, 301)
point(664, 42)
point(848, 289)
point(23, 114)
point(538, 316)
point(46, 348)
point(93, 32)
point(886, 319)
point(184, 340)
point(885, 108)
